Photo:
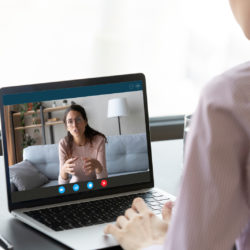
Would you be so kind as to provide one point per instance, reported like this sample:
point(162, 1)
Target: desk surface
point(167, 162)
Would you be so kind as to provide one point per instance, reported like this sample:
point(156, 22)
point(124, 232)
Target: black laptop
point(75, 213)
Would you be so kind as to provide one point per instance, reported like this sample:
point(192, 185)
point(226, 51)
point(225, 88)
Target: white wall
point(179, 45)
point(96, 109)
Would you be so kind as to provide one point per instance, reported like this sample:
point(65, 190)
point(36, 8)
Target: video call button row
point(76, 187)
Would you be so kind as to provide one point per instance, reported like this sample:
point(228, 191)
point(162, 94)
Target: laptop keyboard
point(94, 212)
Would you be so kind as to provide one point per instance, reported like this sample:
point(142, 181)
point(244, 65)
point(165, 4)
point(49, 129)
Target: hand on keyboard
point(140, 227)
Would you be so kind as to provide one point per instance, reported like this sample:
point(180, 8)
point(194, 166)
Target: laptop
point(76, 212)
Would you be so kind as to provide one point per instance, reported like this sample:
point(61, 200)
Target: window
point(179, 45)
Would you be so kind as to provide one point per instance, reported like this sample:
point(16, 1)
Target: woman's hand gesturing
point(68, 168)
point(91, 165)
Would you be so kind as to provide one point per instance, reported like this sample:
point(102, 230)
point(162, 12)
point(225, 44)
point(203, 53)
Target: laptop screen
point(75, 139)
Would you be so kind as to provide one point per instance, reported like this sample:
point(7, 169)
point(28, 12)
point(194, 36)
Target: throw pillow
point(25, 176)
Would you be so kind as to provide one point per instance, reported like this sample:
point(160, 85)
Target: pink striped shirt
point(212, 209)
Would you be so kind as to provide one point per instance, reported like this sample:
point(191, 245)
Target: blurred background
point(179, 45)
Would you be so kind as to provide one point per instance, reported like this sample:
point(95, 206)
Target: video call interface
point(75, 140)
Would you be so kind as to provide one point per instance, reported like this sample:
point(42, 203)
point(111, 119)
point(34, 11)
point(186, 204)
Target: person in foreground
point(82, 151)
point(212, 210)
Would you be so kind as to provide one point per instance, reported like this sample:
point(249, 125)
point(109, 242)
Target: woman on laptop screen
point(82, 151)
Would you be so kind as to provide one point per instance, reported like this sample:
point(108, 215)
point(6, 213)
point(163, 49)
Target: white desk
point(167, 162)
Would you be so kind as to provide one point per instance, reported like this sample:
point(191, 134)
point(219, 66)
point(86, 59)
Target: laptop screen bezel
point(71, 84)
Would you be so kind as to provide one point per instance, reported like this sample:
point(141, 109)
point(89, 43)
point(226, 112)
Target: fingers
point(111, 229)
point(140, 205)
point(70, 171)
point(167, 211)
point(121, 221)
point(88, 170)
point(89, 166)
point(70, 168)
point(70, 160)
point(89, 162)
point(86, 159)
point(71, 165)
point(130, 213)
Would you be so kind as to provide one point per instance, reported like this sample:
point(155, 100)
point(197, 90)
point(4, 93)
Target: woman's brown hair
point(90, 133)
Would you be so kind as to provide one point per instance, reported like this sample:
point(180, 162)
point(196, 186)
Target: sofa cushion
point(45, 158)
point(126, 153)
point(25, 176)
point(51, 183)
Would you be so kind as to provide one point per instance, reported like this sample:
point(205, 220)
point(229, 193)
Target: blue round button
point(76, 187)
point(90, 185)
point(61, 189)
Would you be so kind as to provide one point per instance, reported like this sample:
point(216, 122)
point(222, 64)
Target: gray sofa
point(40, 166)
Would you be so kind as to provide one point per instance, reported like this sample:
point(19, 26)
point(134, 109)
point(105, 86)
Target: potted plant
point(65, 102)
point(23, 109)
point(27, 140)
point(35, 118)
point(54, 104)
